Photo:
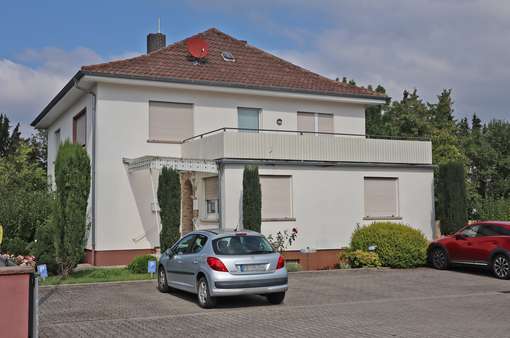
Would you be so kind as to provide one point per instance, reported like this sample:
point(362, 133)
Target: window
point(171, 122)
point(241, 244)
point(486, 230)
point(381, 197)
point(80, 128)
point(198, 243)
point(57, 139)
point(276, 197)
point(315, 122)
point(184, 245)
point(248, 118)
point(470, 231)
point(211, 195)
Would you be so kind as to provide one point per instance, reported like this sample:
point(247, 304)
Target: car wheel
point(205, 299)
point(275, 298)
point(162, 282)
point(438, 258)
point(501, 266)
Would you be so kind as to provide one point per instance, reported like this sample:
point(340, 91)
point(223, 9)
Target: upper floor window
point(381, 197)
point(315, 122)
point(276, 197)
point(248, 118)
point(80, 128)
point(171, 122)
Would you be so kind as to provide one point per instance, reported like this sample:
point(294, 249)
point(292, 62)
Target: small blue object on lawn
point(151, 267)
point(43, 271)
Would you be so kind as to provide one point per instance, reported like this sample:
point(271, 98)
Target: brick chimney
point(155, 41)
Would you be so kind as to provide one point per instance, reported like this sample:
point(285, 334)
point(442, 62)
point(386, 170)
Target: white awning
point(157, 163)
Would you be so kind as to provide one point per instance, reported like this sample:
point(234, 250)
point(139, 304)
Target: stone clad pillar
point(186, 203)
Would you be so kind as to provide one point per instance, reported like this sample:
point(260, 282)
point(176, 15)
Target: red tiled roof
point(253, 68)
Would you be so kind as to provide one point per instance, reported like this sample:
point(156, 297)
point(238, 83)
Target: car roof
point(503, 223)
point(227, 232)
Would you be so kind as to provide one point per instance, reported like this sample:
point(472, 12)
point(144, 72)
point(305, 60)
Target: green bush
point(169, 200)
point(293, 267)
point(494, 208)
point(43, 248)
point(140, 264)
point(397, 245)
point(252, 199)
point(14, 246)
point(362, 259)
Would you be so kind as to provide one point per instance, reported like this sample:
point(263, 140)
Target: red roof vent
point(197, 47)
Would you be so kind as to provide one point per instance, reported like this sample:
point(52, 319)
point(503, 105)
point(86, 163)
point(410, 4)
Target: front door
point(461, 248)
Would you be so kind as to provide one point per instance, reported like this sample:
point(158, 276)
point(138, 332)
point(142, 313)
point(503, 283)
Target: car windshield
point(241, 245)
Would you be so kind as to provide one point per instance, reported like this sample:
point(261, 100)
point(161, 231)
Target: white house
point(319, 172)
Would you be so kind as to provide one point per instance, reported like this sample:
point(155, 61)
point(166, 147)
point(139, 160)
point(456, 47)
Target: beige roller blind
point(325, 122)
point(276, 196)
point(81, 129)
point(306, 121)
point(170, 121)
point(381, 197)
point(211, 188)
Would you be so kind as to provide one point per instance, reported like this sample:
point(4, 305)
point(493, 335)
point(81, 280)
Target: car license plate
point(253, 267)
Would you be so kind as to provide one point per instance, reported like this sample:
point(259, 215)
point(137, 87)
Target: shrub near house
point(397, 245)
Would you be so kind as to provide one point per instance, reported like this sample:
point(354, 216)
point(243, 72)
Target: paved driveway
point(358, 303)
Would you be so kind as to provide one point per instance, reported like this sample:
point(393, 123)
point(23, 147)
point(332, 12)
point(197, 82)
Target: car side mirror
point(460, 237)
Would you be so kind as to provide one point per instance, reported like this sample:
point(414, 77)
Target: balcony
point(233, 143)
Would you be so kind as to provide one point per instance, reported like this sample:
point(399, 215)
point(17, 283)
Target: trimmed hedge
point(140, 264)
point(397, 245)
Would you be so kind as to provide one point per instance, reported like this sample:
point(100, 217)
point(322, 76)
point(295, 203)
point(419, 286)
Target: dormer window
point(227, 56)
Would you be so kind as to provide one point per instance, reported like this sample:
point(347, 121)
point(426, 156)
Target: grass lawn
point(97, 275)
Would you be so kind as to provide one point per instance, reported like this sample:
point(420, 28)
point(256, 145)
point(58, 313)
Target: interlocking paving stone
point(350, 303)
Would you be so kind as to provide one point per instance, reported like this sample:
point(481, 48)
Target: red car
point(483, 244)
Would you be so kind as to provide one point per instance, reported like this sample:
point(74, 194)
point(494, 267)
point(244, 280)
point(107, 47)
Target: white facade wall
point(122, 132)
point(328, 203)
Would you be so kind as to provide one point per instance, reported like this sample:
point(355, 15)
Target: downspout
point(93, 171)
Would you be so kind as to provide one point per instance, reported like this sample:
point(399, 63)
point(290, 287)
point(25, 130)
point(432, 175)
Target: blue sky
point(429, 45)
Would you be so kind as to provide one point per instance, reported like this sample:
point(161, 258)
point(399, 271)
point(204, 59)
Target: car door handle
point(195, 261)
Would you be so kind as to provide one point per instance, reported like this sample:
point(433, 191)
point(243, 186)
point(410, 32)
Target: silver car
point(213, 263)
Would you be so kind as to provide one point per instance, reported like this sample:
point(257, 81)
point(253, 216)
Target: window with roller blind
point(315, 122)
point(381, 198)
point(170, 122)
point(276, 197)
point(211, 196)
point(80, 128)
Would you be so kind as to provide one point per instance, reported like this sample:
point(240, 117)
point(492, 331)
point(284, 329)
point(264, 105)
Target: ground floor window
point(211, 196)
point(276, 197)
point(381, 197)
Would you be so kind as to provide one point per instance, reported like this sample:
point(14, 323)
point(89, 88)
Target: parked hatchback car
point(217, 263)
point(483, 244)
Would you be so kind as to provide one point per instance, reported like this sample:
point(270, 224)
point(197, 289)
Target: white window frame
point(397, 199)
point(210, 215)
point(316, 120)
point(291, 216)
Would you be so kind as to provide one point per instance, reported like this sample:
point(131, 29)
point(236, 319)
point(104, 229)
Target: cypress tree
point(69, 217)
point(452, 204)
point(252, 198)
point(169, 199)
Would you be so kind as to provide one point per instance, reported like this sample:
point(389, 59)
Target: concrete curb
point(99, 283)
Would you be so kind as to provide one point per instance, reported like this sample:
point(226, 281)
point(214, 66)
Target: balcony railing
point(235, 143)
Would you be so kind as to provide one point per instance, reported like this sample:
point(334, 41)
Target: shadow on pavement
point(224, 302)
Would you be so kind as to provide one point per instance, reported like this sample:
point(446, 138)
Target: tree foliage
point(452, 208)
point(252, 199)
point(69, 217)
point(169, 199)
point(483, 149)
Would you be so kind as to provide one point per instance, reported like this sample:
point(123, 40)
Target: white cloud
point(30, 81)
